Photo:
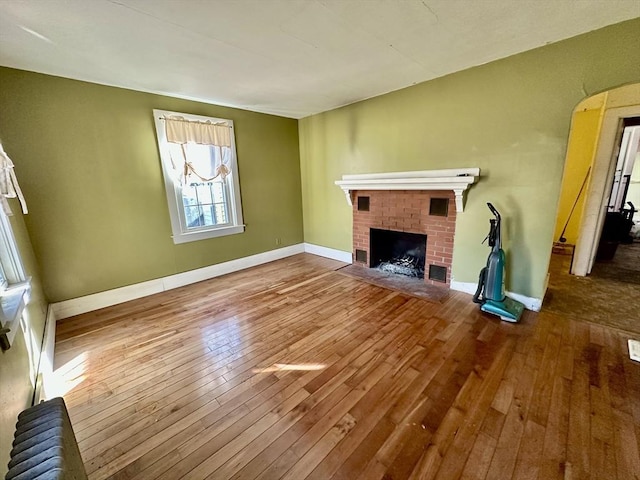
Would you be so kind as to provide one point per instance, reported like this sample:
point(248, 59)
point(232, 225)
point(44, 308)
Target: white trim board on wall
point(530, 303)
point(45, 383)
point(327, 252)
point(89, 303)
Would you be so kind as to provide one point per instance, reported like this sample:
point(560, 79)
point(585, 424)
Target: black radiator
point(45, 447)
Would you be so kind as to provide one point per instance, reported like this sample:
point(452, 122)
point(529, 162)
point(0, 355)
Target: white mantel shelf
point(456, 179)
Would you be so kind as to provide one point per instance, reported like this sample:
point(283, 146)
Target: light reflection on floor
point(67, 377)
point(278, 367)
point(222, 334)
point(228, 337)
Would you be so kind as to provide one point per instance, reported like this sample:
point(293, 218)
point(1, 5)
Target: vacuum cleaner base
point(509, 310)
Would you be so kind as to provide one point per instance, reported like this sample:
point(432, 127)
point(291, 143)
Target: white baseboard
point(530, 303)
point(45, 367)
point(466, 287)
point(327, 252)
point(88, 303)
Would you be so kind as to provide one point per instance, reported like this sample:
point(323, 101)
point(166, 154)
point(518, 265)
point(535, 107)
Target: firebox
point(401, 253)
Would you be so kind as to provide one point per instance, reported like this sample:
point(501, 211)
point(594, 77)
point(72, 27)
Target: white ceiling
point(286, 57)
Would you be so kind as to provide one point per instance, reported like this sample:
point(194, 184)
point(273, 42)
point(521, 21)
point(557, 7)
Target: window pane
point(199, 156)
point(204, 193)
point(189, 196)
point(218, 192)
point(3, 279)
point(11, 268)
point(193, 217)
point(221, 212)
point(205, 204)
point(209, 215)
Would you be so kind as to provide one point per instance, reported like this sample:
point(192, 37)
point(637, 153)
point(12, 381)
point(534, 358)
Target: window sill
point(12, 303)
point(203, 235)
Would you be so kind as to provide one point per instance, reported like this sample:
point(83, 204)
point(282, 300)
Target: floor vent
point(44, 445)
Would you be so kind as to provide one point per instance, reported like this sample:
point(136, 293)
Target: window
point(14, 285)
point(11, 269)
point(200, 172)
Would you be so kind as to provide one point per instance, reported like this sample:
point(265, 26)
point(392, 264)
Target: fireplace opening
point(401, 253)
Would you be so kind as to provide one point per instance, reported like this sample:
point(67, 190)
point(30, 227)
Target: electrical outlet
point(278, 241)
point(634, 350)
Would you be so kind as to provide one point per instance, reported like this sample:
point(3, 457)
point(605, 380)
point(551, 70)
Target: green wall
point(19, 364)
point(88, 164)
point(511, 118)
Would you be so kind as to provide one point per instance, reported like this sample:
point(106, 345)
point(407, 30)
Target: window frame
point(15, 286)
point(173, 188)
point(11, 266)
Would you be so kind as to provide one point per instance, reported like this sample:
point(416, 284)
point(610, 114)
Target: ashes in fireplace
point(400, 253)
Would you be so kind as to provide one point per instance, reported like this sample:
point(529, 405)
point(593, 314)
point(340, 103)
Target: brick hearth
point(407, 211)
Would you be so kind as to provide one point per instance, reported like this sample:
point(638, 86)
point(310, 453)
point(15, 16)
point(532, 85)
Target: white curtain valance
point(204, 162)
point(181, 130)
point(9, 187)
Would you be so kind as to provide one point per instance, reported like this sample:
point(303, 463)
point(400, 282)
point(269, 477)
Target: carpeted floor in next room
point(609, 296)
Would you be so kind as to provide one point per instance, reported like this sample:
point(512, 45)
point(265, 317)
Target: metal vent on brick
point(363, 204)
point(361, 256)
point(439, 207)
point(438, 273)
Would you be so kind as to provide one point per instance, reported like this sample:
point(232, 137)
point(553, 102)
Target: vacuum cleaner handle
point(493, 210)
point(495, 242)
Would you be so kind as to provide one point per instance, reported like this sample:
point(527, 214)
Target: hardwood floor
point(293, 370)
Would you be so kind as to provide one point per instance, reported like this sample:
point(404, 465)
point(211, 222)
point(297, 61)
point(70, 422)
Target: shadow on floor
point(609, 296)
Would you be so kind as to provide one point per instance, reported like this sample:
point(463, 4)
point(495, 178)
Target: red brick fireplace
point(409, 211)
point(416, 204)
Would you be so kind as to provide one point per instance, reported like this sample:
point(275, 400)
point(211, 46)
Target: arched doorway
point(596, 131)
point(592, 155)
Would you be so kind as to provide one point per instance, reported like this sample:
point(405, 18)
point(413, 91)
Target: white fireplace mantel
point(456, 179)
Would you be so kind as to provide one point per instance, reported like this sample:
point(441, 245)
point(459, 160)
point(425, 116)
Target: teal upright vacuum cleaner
point(490, 293)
